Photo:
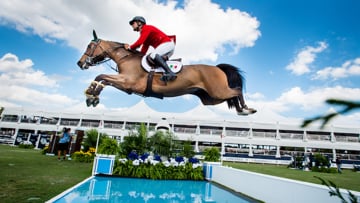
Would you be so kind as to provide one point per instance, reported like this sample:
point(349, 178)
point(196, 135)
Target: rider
point(151, 36)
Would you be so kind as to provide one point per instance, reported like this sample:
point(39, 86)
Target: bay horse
point(212, 84)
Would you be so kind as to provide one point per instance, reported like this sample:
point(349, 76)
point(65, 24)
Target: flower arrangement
point(152, 167)
point(82, 156)
point(26, 145)
point(45, 149)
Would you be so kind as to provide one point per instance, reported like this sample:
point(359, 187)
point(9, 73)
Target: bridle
point(98, 59)
point(104, 56)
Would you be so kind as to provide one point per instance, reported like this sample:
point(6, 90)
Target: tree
point(1, 110)
point(334, 190)
point(188, 150)
point(135, 141)
point(91, 139)
point(161, 143)
point(347, 107)
point(109, 146)
point(212, 154)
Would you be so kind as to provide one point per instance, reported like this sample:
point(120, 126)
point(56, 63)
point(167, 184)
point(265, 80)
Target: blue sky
point(296, 54)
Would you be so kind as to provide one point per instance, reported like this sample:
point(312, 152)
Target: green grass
point(28, 176)
point(348, 179)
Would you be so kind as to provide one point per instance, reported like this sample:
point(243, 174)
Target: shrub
point(109, 146)
point(297, 163)
point(81, 156)
point(158, 171)
point(212, 154)
point(322, 165)
point(45, 150)
point(90, 139)
point(26, 145)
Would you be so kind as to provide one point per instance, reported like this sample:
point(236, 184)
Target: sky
point(295, 54)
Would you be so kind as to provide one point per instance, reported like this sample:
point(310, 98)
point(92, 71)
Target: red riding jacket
point(150, 36)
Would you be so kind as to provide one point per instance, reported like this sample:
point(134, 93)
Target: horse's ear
point(95, 36)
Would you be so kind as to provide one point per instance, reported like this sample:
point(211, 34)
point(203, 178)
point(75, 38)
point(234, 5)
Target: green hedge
point(158, 171)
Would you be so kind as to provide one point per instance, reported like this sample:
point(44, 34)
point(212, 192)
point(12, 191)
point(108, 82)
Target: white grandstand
point(245, 140)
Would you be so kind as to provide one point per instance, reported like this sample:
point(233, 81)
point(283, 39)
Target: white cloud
point(315, 98)
point(299, 103)
point(73, 22)
point(19, 82)
point(21, 73)
point(33, 97)
point(300, 65)
point(256, 96)
point(347, 69)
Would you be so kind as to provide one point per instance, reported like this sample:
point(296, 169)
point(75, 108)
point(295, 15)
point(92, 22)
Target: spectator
point(311, 159)
point(338, 164)
point(64, 142)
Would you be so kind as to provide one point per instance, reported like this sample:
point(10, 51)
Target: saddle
point(149, 65)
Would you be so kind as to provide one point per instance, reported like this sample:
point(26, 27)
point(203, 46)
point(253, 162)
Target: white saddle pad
point(175, 66)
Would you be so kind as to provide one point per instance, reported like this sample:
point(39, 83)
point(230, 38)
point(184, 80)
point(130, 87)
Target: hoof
point(95, 102)
point(89, 101)
point(246, 111)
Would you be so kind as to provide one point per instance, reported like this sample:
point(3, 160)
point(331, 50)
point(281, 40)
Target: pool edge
point(57, 197)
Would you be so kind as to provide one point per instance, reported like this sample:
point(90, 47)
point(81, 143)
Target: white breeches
point(164, 49)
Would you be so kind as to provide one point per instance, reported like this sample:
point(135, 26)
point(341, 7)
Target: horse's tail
point(235, 78)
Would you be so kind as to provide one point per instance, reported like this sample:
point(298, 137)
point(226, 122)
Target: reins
point(106, 51)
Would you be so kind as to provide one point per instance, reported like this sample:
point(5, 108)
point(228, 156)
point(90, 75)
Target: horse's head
point(93, 55)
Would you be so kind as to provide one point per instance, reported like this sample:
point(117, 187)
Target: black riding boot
point(169, 75)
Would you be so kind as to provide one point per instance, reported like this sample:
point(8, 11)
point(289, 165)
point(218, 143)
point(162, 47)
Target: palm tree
point(161, 143)
point(91, 139)
point(188, 150)
point(135, 141)
point(347, 107)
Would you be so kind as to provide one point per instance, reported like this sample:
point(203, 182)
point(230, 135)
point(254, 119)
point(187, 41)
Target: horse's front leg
point(93, 91)
point(99, 83)
point(119, 81)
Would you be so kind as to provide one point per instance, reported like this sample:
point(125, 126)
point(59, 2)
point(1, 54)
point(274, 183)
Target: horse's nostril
point(80, 65)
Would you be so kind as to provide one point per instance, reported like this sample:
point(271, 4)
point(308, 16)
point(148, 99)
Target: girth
point(148, 91)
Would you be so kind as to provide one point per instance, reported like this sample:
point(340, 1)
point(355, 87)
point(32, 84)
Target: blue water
point(110, 189)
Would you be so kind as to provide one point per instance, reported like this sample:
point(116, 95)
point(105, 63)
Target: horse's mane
point(121, 45)
point(117, 45)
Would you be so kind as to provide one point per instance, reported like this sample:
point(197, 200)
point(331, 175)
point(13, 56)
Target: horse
point(211, 84)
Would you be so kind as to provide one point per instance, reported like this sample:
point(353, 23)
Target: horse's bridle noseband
point(103, 57)
point(98, 59)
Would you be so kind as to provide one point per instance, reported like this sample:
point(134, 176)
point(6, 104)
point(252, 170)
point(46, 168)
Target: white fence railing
point(273, 189)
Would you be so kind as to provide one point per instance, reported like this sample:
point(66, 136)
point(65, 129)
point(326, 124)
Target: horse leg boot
point(90, 90)
point(169, 75)
point(98, 89)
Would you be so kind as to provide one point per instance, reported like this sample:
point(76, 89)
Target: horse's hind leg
point(244, 109)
